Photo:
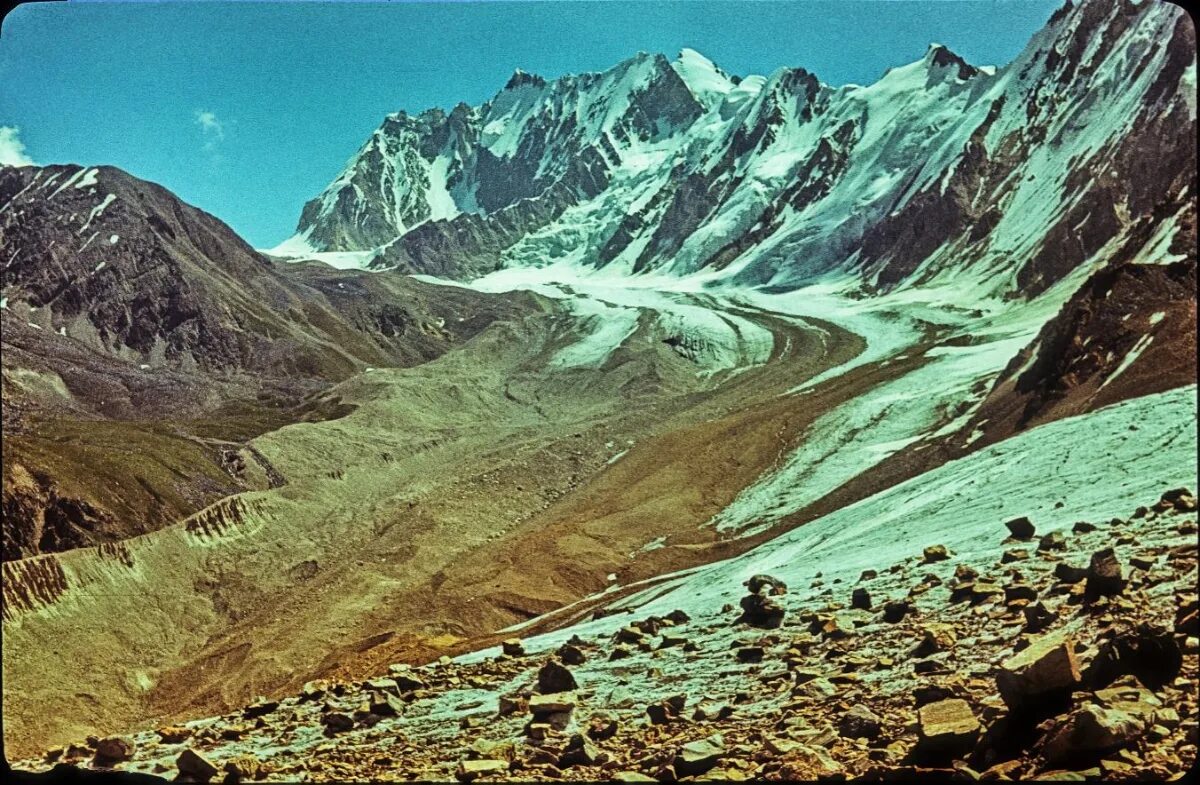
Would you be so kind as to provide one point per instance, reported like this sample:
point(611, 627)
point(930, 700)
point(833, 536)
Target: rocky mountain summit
point(1072, 657)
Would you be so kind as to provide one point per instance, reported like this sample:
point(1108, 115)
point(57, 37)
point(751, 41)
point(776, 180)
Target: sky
point(249, 109)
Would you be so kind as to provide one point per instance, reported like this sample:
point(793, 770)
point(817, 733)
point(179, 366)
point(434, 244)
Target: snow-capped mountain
point(744, 325)
point(1079, 150)
point(532, 136)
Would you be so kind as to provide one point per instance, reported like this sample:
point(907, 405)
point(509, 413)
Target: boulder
point(1019, 591)
point(602, 726)
point(174, 734)
point(1054, 541)
point(509, 704)
point(409, 682)
point(816, 689)
point(571, 654)
point(580, 752)
point(1187, 617)
point(1047, 666)
point(1143, 563)
point(551, 703)
point(982, 590)
point(1104, 576)
point(555, 677)
point(1065, 573)
point(1037, 617)
point(470, 770)
point(650, 625)
point(934, 553)
point(750, 654)
point(337, 722)
point(382, 684)
point(860, 723)
point(1090, 731)
point(712, 710)
point(629, 634)
point(513, 648)
point(932, 693)
point(946, 727)
point(773, 585)
point(193, 766)
point(935, 638)
point(762, 611)
point(314, 690)
point(809, 763)
point(244, 768)
point(236, 732)
point(1021, 528)
point(669, 640)
point(934, 664)
point(260, 707)
point(861, 599)
point(1181, 499)
point(1148, 652)
point(114, 749)
point(659, 713)
point(894, 611)
point(697, 757)
point(385, 704)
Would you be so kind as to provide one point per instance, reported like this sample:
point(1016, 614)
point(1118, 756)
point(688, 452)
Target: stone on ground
point(1047, 666)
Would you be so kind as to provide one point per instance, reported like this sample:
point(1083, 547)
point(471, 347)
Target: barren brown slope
point(360, 549)
point(144, 342)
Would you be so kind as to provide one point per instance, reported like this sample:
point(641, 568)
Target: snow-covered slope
point(1085, 468)
point(1003, 180)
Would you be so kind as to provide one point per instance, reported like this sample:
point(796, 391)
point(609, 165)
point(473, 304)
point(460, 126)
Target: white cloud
point(12, 150)
point(210, 127)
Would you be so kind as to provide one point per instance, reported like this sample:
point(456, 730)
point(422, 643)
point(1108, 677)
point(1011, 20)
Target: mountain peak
point(706, 81)
point(521, 78)
point(688, 55)
point(939, 56)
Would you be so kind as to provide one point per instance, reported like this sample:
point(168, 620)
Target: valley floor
point(645, 449)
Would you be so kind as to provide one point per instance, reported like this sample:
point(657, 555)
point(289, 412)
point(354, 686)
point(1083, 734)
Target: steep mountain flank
point(1129, 331)
point(523, 144)
point(144, 342)
point(124, 267)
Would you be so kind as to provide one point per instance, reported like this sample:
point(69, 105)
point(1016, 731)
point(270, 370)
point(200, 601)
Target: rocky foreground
point(1073, 657)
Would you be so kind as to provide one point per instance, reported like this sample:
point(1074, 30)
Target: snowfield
point(1084, 468)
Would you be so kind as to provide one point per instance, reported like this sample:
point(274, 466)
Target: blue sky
point(249, 109)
